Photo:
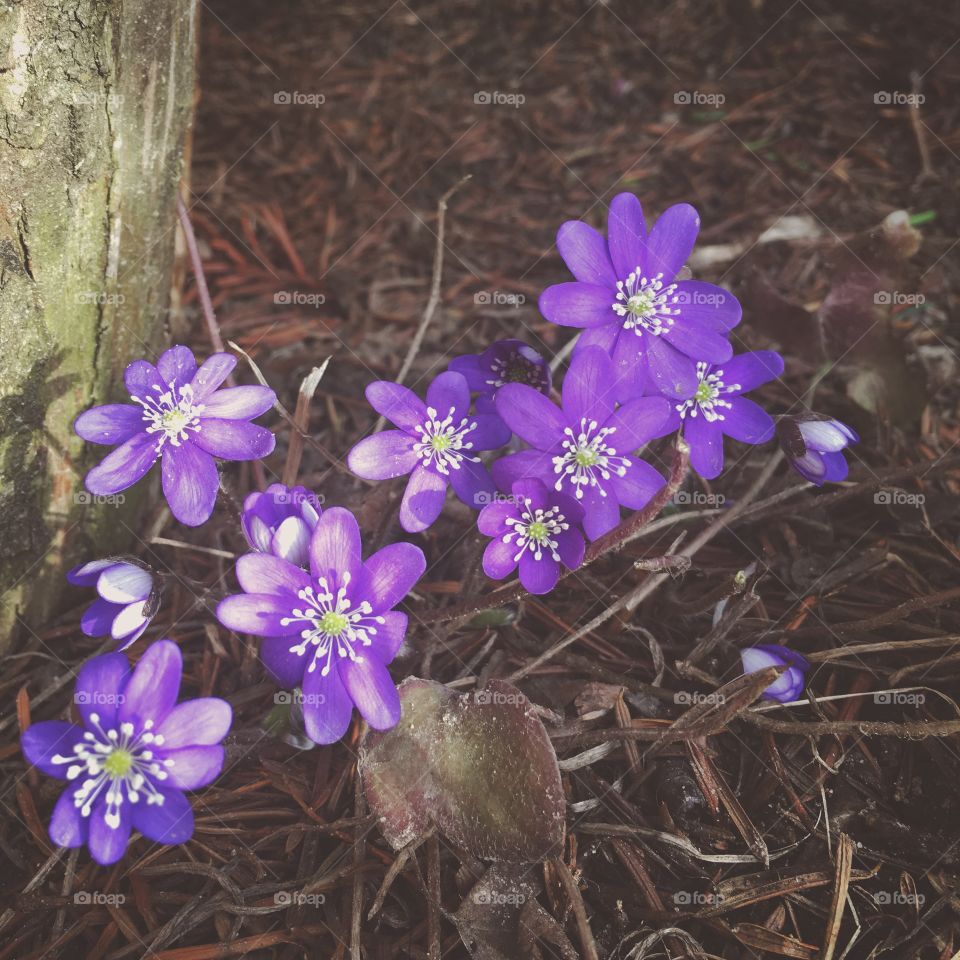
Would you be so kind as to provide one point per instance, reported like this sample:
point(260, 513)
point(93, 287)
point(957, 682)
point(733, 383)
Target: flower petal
point(41, 742)
point(631, 369)
point(422, 500)
point(826, 436)
point(584, 251)
point(68, 826)
point(626, 234)
point(142, 379)
point(751, 370)
point(492, 519)
point(402, 407)
point(87, 574)
point(193, 767)
point(256, 613)
point(538, 576)
point(472, 370)
point(190, 483)
point(706, 446)
point(177, 365)
point(124, 466)
point(673, 374)
point(635, 489)
point(124, 583)
point(383, 456)
point(213, 371)
point(498, 559)
point(448, 393)
point(604, 337)
point(239, 403)
point(204, 721)
point(491, 432)
point(671, 240)
point(265, 573)
point(129, 621)
point(392, 572)
point(327, 707)
point(525, 463)
point(100, 688)
point(110, 424)
point(638, 422)
point(577, 304)
point(234, 439)
point(747, 422)
point(390, 635)
point(108, 844)
point(571, 547)
point(98, 618)
point(372, 689)
point(707, 304)
point(291, 541)
point(154, 685)
point(698, 341)
point(284, 667)
point(170, 822)
point(335, 546)
point(530, 415)
point(588, 388)
point(473, 484)
point(600, 514)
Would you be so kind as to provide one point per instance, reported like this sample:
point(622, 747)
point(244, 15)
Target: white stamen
point(172, 414)
point(442, 443)
point(645, 303)
point(588, 458)
point(545, 524)
point(707, 399)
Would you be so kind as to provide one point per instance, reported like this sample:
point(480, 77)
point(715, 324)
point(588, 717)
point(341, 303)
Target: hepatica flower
point(280, 519)
point(629, 303)
point(717, 407)
point(180, 417)
point(584, 450)
point(789, 685)
point(814, 446)
point(128, 599)
point(132, 755)
point(506, 361)
point(437, 443)
point(534, 528)
point(331, 630)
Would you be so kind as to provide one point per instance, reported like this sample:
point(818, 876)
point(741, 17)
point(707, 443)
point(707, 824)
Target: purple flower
point(436, 444)
point(180, 417)
point(133, 754)
point(535, 528)
point(629, 303)
point(814, 444)
point(128, 598)
point(716, 406)
point(584, 450)
point(506, 361)
point(280, 519)
point(331, 630)
point(789, 685)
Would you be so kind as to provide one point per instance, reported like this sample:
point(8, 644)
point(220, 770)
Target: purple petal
point(190, 483)
point(472, 370)
point(130, 623)
point(747, 422)
point(422, 500)
point(100, 688)
point(526, 463)
point(698, 341)
point(707, 304)
point(577, 304)
point(41, 742)
point(750, 370)
point(372, 689)
point(152, 689)
point(108, 844)
point(473, 484)
point(234, 439)
point(177, 365)
point(449, 393)
point(239, 403)
point(538, 576)
point(392, 572)
point(142, 379)
point(584, 252)
point(402, 407)
point(638, 422)
point(571, 547)
point(826, 436)
point(327, 707)
point(588, 388)
point(284, 667)
point(638, 485)
point(87, 574)
point(674, 374)
point(390, 635)
point(626, 234)
point(530, 415)
point(213, 372)
point(170, 822)
point(706, 446)
point(265, 573)
point(193, 767)
point(631, 369)
point(383, 456)
point(110, 424)
point(491, 432)
point(498, 559)
point(256, 613)
point(98, 618)
point(291, 541)
point(492, 520)
point(604, 337)
point(671, 241)
point(68, 826)
point(124, 583)
point(124, 466)
point(836, 467)
point(201, 722)
point(600, 514)
point(335, 546)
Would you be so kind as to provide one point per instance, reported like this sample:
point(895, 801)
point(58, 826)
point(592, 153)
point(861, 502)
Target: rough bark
point(96, 98)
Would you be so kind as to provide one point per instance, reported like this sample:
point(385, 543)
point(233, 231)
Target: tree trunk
point(96, 99)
